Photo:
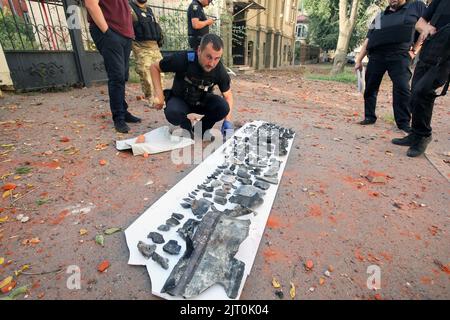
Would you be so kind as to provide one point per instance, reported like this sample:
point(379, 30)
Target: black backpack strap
point(442, 8)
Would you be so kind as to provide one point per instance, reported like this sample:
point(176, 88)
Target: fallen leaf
point(4, 219)
point(23, 170)
point(9, 186)
point(40, 202)
point(292, 291)
point(64, 139)
point(2, 260)
point(101, 146)
point(275, 283)
point(17, 292)
point(35, 240)
point(83, 232)
point(111, 231)
point(309, 265)
point(6, 281)
point(6, 194)
point(22, 269)
point(99, 239)
point(321, 281)
point(7, 288)
point(103, 162)
point(103, 266)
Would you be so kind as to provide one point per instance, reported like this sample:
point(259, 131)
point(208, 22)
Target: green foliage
point(345, 77)
point(324, 21)
point(15, 33)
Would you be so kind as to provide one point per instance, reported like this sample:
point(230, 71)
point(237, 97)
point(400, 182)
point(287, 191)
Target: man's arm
point(96, 14)
point(362, 54)
point(155, 72)
point(197, 24)
point(228, 96)
point(425, 29)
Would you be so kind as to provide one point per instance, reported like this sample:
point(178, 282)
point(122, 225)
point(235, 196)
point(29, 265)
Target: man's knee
point(173, 115)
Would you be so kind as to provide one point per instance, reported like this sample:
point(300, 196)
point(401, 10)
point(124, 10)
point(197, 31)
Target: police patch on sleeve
point(195, 7)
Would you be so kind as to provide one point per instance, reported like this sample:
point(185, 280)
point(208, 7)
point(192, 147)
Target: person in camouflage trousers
point(146, 46)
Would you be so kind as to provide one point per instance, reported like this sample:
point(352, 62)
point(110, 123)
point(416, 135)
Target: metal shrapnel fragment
point(172, 247)
point(146, 249)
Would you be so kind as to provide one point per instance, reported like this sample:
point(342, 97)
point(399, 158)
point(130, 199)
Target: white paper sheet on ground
point(169, 203)
point(156, 141)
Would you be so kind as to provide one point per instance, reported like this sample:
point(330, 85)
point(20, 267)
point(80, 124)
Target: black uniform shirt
point(178, 63)
point(416, 10)
point(431, 10)
point(195, 10)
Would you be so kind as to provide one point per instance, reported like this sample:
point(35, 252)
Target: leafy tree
point(324, 21)
point(15, 33)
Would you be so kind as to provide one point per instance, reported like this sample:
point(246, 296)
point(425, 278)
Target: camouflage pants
point(146, 53)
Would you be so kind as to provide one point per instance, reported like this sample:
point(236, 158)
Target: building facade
point(264, 34)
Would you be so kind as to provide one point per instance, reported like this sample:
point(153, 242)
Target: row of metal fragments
point(213, 238)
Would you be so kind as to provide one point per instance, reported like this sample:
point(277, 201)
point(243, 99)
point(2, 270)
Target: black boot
point(121, 126)
point(407, 141)
point(366, 122)
point(132, 119)
point(419, 147)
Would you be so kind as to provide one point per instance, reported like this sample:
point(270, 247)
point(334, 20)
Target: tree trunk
point(346, 26)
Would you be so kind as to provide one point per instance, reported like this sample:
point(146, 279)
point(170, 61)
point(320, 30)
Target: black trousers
point(115, 50)
point(423, 95)
point(213, 107)
point(194, 42)
point(398, 68)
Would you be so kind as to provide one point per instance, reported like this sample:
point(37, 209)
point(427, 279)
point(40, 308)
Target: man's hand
point(158, 102)
point(427, 31)
point(227, 129)
point(358, 66)
point(210, 21)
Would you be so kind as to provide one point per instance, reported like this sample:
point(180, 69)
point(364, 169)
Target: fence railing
point(34, 25)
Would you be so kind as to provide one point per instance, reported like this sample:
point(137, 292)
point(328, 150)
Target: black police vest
point(145, 28)
point(392, 29)
point(196, 84)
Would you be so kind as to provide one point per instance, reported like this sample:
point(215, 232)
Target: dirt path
point(326, 210)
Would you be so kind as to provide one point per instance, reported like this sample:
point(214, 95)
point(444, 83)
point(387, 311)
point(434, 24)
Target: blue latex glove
point(227, 129)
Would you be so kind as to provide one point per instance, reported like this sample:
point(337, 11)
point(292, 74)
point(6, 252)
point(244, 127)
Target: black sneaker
point(121, 126)
point(407, 141)
point(132, 119)
point(366, 122)
point(419, 147)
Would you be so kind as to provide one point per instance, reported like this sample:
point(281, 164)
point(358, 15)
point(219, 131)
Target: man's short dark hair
point(217, 43)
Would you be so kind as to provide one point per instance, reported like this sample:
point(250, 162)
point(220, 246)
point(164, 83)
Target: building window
point(301, 31)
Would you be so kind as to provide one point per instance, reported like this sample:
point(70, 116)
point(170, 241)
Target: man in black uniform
point(430, 74)
point(389, 43)
point(198, 23)
point(196, 73)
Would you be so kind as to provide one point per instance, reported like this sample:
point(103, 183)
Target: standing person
point(149, 38)
point(196, 74)
point(432, 72)
point(389, 46)
point(111, 29)
point(198, 23)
